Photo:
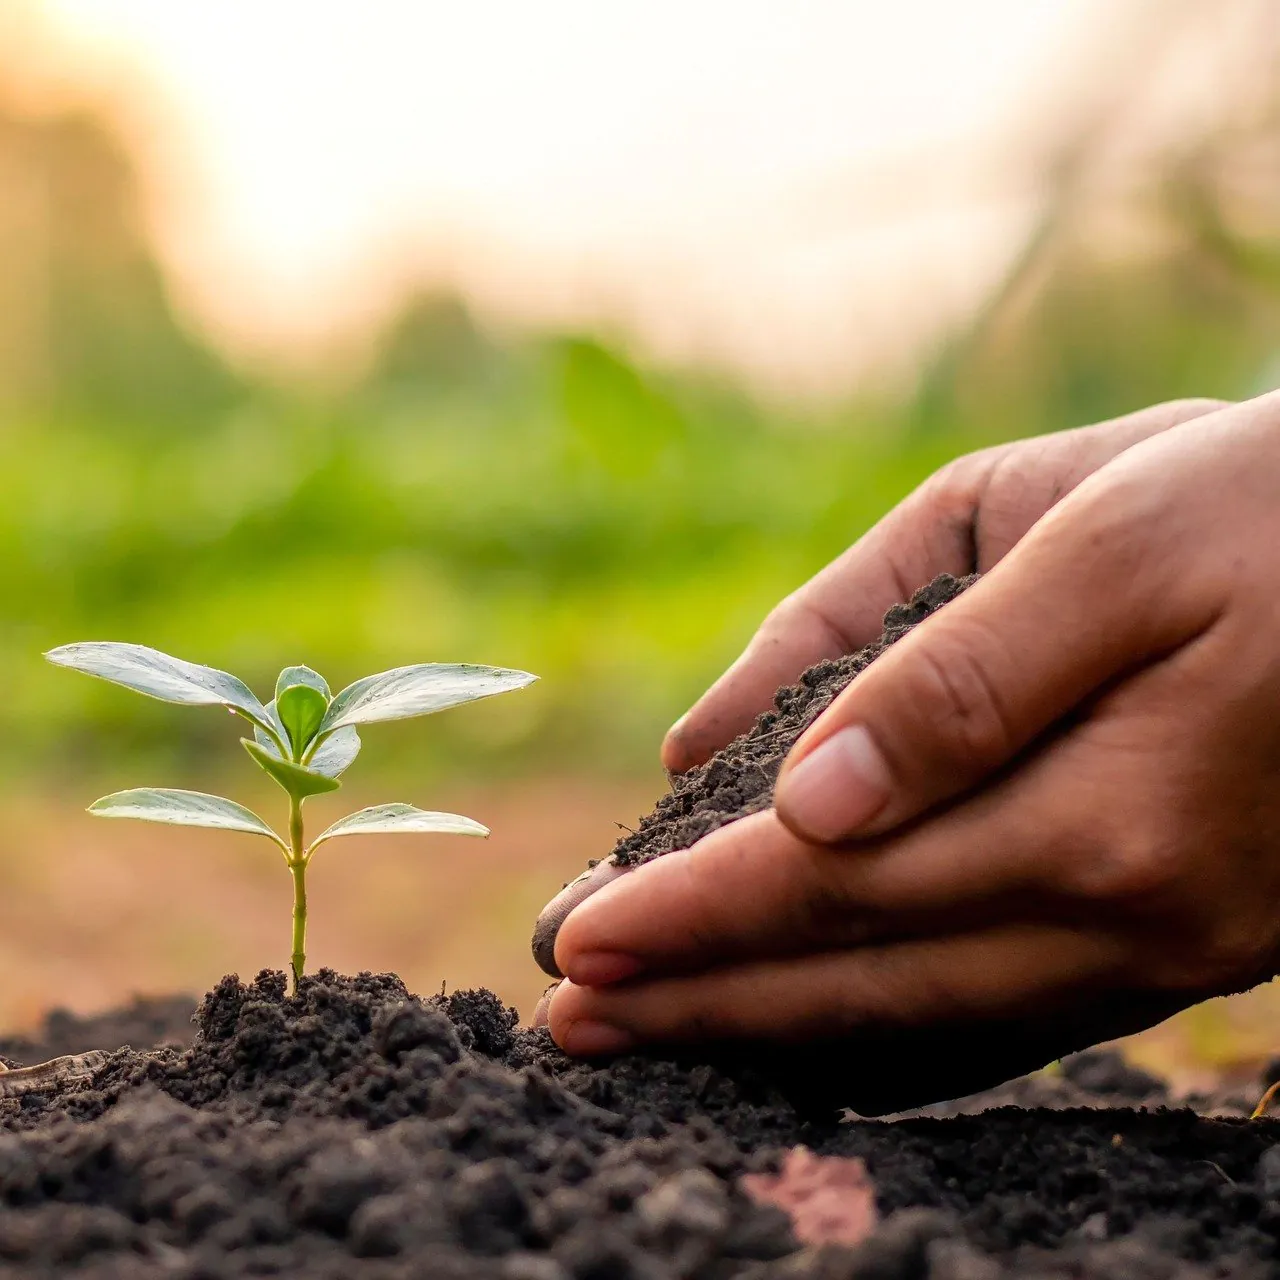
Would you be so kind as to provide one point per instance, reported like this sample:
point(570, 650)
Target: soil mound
point(739, 780)
point(356, 1130)
point(147, 1021)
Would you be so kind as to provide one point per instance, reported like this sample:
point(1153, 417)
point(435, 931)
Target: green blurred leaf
point(159, 676)
point(301, 708)
point(388, 819)
point(291, 676)
point(182, 809)
point(335, 754)
point(297, 780)
point(419, 691)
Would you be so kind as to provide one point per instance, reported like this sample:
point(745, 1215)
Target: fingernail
point(674, 756)
point(837, 788)
point(596, 1040)
point(542, 1011)
point(557, 911)
point(600, 968)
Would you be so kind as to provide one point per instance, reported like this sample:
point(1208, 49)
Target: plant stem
point(298, 869)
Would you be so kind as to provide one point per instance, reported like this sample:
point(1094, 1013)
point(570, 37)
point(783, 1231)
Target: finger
point(1000, 973)
point(835, 613)
point(876, 1072)
point(753, 889)
point(1031, 477)
point(1093, 592)
point(554, 913)
point(964, 519)
point(542, 1010)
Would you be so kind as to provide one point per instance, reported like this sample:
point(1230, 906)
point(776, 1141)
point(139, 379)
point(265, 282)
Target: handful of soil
point(882, 1069)
point(739, 779)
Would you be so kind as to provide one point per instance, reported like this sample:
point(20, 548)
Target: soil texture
point(148, 1021)
point(885, 1069)
point(355, 1130)
point(739, 780)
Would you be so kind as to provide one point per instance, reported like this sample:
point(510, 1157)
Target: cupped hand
point(963, 520)
point(1053, 809)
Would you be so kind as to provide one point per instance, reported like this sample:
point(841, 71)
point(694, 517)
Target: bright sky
point(726, 179)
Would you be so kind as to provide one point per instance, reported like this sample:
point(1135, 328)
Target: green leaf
point(301, 675)
point(418, 691)
point(336, 752)
point(264, 739)
point(298, 781)
point(159, 676)
point(301, 708)
point(183, 809)
point(381, 819)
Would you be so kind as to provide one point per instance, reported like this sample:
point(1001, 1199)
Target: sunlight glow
point(733, 180)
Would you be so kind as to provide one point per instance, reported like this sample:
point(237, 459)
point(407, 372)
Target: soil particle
point(886, 1069)
point(355, 1130)
point(739, 780)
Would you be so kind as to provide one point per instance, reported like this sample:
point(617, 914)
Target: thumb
point(1085, 597)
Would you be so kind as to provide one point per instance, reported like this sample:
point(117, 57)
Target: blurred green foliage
point(546, 505)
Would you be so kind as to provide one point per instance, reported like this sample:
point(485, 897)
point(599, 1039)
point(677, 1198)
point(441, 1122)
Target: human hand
point(963, 520)
point(1115, 682)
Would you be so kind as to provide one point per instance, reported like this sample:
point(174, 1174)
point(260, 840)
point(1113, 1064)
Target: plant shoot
point(304, 739)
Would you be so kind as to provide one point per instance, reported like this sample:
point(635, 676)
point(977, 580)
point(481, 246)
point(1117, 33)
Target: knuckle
point(952, 492)
point(788, 618)
point(703, 896)
point(1142, 870)
point(890, 992)
point(781, 619)
point(1109, 523)
point(1188, 407)
point(1208, 958)
point(960, 693)
point(823, 910)
point(694, 1022)
point(1232, 957)
point(797, 623)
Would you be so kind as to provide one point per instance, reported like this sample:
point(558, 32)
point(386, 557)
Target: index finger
point(836, 612)
point(935, 530)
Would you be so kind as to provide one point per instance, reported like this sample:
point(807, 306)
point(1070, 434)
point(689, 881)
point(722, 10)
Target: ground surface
point(92, 912)
point(354, 1130)
point(357, 1131)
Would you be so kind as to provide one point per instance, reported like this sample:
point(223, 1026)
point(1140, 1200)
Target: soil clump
point(356, 1130)
point(739, 780)
point(147, 1020)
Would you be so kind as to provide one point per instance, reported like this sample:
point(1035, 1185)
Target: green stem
point(298, 869)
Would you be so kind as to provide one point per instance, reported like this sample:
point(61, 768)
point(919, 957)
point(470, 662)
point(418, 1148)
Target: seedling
point(304, 739)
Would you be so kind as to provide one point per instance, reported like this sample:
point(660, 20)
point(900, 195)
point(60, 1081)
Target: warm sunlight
point(677, 168)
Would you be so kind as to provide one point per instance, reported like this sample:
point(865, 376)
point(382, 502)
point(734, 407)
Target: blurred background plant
point(599, 455)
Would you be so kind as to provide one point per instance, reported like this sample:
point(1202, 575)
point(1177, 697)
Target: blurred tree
point(85, 319)
point(548, 503)
point(1151, 269)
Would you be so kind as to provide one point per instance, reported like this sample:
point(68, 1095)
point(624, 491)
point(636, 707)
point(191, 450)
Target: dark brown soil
point(146, 1021)
point(882, 1070)
point(358, 1131)
point(739, 780)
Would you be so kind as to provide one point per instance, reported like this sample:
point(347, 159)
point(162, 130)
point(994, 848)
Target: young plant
point(304, 739)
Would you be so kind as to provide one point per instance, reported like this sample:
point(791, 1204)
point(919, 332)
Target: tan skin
point(1056, 803)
